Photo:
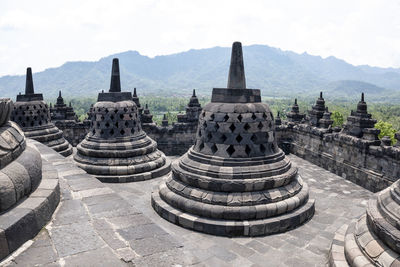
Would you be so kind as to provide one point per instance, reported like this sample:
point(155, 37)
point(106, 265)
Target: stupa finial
point(295, 101)
point(362, 97)
point(29, 82)
point(236, 78)
point(194, 92)
point(59, 93)
point(134, 92)
point(320, 94)
point(115, 85)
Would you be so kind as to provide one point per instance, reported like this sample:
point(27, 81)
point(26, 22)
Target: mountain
point(276, 72)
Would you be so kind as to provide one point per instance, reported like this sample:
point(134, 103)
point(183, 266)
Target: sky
point(47, 33)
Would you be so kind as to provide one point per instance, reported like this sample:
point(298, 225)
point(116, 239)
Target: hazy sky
point(47, 33)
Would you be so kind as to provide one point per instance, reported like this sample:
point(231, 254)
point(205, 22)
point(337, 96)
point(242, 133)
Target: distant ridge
point(275, 72)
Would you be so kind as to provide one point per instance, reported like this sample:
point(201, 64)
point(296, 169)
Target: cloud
point(47, 33)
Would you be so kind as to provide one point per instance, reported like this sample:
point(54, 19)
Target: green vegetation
point(337, 118)
point(388, 115)
point(386, 130)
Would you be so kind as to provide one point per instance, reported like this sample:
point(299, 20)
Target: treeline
point(388, 115)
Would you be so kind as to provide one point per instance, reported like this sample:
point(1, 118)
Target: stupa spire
point(59, 94)
point(29, 82)
point(194, 92)
point(134, 92)
point(362, 97)
point(115, 85)
point(236, 79)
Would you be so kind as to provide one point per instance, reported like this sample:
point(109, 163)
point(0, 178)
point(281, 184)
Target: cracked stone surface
point(100, 224)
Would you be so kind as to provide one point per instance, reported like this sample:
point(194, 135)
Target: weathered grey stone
point(31, 113)
point(116, 149)
point(235, 152)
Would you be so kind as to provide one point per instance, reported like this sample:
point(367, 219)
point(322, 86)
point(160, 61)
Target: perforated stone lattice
point(31, 114)
point(116, 121)
point(236, 134)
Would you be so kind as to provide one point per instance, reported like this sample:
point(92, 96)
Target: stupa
point(146, 116)
point(325, 121)
point(294, 115)
point(32, 114)
point(193, 110)
point(26, 204)
point(62, 112)
point(360, 123)
point(116, 149)
point(317, 111)
point(235, 181)
point(136, 99)
point(374, 238)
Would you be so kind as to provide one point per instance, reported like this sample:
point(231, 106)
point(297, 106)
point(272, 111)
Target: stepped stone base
point(257, 227)
point(357, 245)
point(50, 136)
point(163, 170)
point(24, 221)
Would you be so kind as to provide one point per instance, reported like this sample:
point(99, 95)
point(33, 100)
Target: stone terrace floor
point(114, 225)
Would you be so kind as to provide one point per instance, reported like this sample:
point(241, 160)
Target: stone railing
point(369, 164)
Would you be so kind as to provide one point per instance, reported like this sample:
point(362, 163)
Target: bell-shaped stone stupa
point(373, 239)
point(32, 114)
point(235, 181)
point(116, 149)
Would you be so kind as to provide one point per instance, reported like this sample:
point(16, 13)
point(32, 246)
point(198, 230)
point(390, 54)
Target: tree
point(386, 130)
point(337, 118)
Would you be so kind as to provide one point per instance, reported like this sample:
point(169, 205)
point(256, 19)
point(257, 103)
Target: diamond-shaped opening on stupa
point(112, 132)
point(239, 138)
point(226, 117)
point(230, 150)
point(209, 136)
point(214, 148)
point(122, 132)
point(247, 150)
point(212, 116)
point(253, 138)
point(201, 146)
point(240, 118)
point(216, 126)
point(232, 127)
point(223, 138)
point(253, 116)
point(262, 148)
point(246, 127)
point(260, 125)
point(265, 116)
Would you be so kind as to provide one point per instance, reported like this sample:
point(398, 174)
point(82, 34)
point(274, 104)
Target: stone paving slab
point(338, 201)
point(95, 226)
point(114, 225)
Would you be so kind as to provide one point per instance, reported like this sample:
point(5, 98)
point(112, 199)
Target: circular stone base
point(356, 245)
point(163, 170)
point(66, 152)
point(25, 220)
point(259, 227)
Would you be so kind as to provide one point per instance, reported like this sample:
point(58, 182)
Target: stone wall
point(173, 140)
point(367, 163)
point(73, 131)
